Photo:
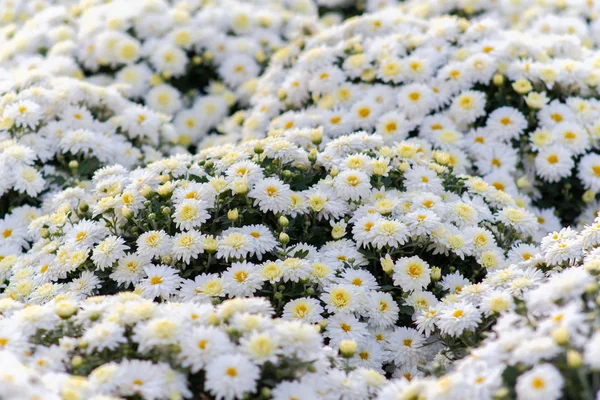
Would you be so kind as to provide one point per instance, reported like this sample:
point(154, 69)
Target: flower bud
point(233, 215)
point(284, 238)
point(522, 86)
point(165, 189)
point(498, 80)
point(146, 191)
point(127, 212)
point(347, 348)
point(76, 361)
point(65, 309)
point(44, 233)
point(387, 264)
point(316, 136)
point(436, 273)
point(239, 186)
point(73, 164)
point(561, 335)
point(283, 221)
point(589, 196)
point(574, 359)
point(523, 182)
point(83, 207)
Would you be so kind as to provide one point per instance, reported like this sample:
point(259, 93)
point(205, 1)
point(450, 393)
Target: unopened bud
point(348, 348)
point(233, 215)
point(436, 273)
point(283, 221)
point(284, 238)
point(498, 80)
point(574, 359)
point(65, 309)
point(561, 335)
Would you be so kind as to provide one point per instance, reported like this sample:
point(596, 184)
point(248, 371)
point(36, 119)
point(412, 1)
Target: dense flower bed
point(126, 346)
point(358, 236)
point(545, 343)
point(299, 199)
point(195, 61)
point(519, 113)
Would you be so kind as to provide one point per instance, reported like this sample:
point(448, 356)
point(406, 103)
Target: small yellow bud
point(498, 80)
point(523, 182)
point(522, 86)
point(436, 273)
point(284, 238)
point(316, 136)
point(589, 196)
point(146, 191)
point(127, 212)
point(239, 186)
point(233, 215)
point(65, 309)
point(283, 221)
point(387, 264)
point(348, 348)
point(76, 361)
point(561, 335)
point(574, 359)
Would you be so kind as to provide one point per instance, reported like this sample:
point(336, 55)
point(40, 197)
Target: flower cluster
point(194, 62)
point(575, 18)
point(125, 346)
point(518, 112)
point(544, 346)
point(56, 132)
point(357, 236)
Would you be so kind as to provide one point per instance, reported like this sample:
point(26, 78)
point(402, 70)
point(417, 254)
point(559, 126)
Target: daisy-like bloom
point(190, 213)
point(24, 113)
point(154, 244)
point(423, 179)
point(271, 195)
point(241, 279)
point(506, 123)
point(411, 273)
point(161, 281)
point(234, 244)
point(304, 309)
point(143, 378)
point(543, 381)
point(345, 327)
point(231, 376)
point(341, 298)
point(261, 239)
point(202, 345)
point(107, 252)
point(352, 185)
point(130, 269)
point(383, 310)
point(468, 106)
point(406, 346)
point(456, 318)
point(203, 288)
point(588, 171)
point(389, 233)
point(554, 163)
point(187, 245)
